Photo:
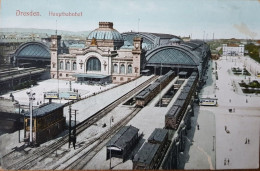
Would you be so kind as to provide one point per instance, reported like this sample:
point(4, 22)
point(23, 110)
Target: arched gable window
point(129, 69)
point(122, 69)
point(61, 65)
point(93, 64)
point(68, 65)
point(74, 66)
point(115, 68)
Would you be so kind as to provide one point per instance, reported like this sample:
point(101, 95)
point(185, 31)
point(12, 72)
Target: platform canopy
point(90, 76)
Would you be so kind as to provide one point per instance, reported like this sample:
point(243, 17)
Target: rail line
point(102, 140)
point(31, 160)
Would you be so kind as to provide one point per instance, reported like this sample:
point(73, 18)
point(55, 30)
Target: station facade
point(104, 58)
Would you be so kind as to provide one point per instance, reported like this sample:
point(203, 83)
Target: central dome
point(105, 32)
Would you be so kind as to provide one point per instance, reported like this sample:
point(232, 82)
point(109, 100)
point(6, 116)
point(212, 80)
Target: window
point(115, 68)
point(93, 64)
point(74, 66)
point(129, 69)
point(114, 78)
point(122, 69)
point(121, 78)
point(68, 65)
point(67, 75)
point(53, 65)
point(60, 74)
point(61, 65)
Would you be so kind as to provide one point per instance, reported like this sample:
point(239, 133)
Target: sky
point(197, 18)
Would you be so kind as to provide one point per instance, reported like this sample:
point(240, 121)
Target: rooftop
point(123, 136)
point(146, 153)
point(158, 135)
point(105, 32)
point(41, 111)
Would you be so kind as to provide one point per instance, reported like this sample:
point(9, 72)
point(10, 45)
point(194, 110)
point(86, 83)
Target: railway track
point(100, 142)
point(31, 159)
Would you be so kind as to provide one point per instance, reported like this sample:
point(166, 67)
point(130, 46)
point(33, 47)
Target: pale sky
point(224, 18)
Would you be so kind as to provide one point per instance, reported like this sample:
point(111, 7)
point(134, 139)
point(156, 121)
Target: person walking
point(198, 127)
point(246, 141)
point(228, 162)
point(225, 162)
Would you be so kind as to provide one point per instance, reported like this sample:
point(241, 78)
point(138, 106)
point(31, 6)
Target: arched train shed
point(32, 54)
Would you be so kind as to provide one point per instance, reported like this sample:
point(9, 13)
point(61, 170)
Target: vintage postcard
point(133, 84)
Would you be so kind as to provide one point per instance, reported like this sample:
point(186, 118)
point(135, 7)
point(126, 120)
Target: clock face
point(136, 45)
point(53, 42)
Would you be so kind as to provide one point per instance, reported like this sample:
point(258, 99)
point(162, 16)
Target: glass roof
point(172, 55)
point(34, 50)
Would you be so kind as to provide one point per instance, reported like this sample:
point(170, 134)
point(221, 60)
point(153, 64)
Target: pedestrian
point(229, 100)
point(198, 127)
point(225, 162)
point(228, 161)
point(246, 141)
point(246, 101)
point(225, 127)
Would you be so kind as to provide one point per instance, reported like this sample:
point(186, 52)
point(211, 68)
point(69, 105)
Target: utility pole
point(138, 24)
point(160, 102)
point(31, 99)
point(72, 136)
point(69, 124)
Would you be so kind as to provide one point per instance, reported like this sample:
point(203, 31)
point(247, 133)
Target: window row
point(67, 65)
point(122, 69)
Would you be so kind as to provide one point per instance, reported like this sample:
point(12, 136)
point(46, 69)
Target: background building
point(233, 50)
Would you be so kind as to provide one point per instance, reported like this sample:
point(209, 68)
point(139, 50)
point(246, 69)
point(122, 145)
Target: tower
point(137, 53)
point(55, 46)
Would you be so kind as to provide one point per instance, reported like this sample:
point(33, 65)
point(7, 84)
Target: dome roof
point(105, 32)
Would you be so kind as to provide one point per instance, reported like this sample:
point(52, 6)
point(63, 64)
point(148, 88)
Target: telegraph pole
point(72, 137)
point(31, 99)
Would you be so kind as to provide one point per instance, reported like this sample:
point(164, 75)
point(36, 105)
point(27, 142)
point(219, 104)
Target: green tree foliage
point(253, 51)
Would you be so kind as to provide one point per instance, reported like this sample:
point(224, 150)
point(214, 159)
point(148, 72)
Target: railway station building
point(122, 143)
point(111, 56)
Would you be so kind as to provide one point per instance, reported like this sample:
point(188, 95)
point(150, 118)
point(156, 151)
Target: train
point(175, 114)
point(147, 94)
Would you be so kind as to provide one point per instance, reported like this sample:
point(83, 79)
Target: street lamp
point(213, 143)
point(31, 99)
point(111, 119)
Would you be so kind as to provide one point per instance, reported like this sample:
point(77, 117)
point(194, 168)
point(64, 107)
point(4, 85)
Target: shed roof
point(41, 111)
point(146, 153)
point(123, 136)
point(158, 135)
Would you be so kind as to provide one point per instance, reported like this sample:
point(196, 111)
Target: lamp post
point(31, 99)
point(111, 119)
point(213, 143)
